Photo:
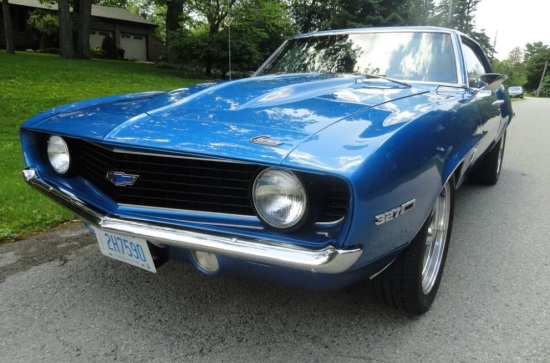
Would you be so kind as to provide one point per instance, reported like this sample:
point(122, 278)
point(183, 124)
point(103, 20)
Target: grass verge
point(31, 83)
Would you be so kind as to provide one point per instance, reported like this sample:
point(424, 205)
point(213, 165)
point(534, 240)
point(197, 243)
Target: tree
point(457, 14)
point(257, 28)
point(46, 23)
point(532, 49)
point(174, 12)
point(8, 29)
point(484, 41)
point(311, 15)
point(212, 14)
point(460, 16)
point(423, 12)
point(534, 67)
point(122, 4)
point(514, 71)
point(82, 10)
point(154, 11)
point(545, 89)
point(83, 30)
point(516, 56)
point(66, 43)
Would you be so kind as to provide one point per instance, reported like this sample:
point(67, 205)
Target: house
point(131, 32)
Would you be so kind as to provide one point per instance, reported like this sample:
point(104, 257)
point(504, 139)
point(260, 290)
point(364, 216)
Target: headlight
point(279, 198)
point(58, 154)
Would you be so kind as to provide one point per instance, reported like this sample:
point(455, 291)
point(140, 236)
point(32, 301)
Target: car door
point(488, 102)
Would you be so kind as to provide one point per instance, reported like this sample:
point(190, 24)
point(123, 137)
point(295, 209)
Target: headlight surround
point(280, 198)
point(58, 154)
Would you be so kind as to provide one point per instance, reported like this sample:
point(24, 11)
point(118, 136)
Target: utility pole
point(542, 78)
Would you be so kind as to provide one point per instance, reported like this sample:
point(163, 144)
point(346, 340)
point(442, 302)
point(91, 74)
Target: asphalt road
point(62, 301)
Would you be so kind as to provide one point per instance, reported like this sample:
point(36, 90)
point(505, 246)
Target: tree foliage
point(197, 32)
point(534, 67)
point(311, 15)
point(514, 71)
point(46, 23)
point(461, 16)
point(516, 56)
point(545, 87)
point(532, 49)
point(123, 4)
point(255, 27)
point(74, 27)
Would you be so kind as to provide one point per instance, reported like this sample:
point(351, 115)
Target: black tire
point(411, 282)
point(487, 170)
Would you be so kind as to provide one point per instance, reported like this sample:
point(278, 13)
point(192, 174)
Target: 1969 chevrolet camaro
point(337, 161)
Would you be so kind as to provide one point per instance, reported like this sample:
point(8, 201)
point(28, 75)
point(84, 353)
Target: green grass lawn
point(31, 83)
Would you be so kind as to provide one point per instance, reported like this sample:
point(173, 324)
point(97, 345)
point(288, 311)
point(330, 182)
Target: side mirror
point(491, 81)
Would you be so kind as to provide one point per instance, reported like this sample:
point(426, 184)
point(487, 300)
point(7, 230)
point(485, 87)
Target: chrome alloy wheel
point(436, 238)
point(500, 154)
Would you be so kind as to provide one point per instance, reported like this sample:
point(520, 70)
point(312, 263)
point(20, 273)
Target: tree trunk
point(83, 32)
point(66, 44)
point(10, 49)
point(174, 10)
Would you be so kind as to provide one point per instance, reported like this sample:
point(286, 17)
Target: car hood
point(261, 118)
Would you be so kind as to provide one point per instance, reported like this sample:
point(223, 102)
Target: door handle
point(498, 103)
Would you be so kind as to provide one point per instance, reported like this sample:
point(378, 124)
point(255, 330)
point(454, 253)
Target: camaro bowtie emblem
point(121, 179)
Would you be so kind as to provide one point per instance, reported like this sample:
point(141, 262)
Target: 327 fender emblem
point(394, 213)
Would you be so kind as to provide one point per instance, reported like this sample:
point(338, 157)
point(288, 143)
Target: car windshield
point(515, 89)
point(408, 56)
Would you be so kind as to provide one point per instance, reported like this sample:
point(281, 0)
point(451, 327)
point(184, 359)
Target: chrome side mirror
point(491, 81)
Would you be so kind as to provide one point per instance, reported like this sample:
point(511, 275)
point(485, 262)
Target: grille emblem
point(121, 179)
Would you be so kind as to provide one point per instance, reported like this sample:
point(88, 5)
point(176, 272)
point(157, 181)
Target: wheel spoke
point(500, 154)
point(435, 240)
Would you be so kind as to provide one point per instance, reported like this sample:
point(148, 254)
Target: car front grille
point(196, 184)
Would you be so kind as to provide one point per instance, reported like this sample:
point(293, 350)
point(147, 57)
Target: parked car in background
point(336, 162)
point(515, 91)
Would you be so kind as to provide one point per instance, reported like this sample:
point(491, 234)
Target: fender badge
point(265, 140)
point(394, 213)
point(121, 179)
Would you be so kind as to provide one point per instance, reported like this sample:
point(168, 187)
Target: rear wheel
point(487, 170)
point(412, 281)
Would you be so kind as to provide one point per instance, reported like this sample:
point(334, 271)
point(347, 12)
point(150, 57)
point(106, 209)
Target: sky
point(515, 23)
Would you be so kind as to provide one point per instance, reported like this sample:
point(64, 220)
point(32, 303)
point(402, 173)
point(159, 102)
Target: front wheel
point(411, 282)
point(487, 170)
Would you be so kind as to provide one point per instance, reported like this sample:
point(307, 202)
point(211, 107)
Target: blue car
point(337, 161)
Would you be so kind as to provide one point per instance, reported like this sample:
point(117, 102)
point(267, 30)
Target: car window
point(474, 65)
point(413, 56)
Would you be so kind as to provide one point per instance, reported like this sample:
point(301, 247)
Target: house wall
point(134, 39)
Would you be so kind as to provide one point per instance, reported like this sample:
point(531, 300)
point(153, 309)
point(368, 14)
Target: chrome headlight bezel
point(58, 154)
point(277, 185)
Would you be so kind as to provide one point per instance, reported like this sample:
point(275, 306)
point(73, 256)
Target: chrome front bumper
point(326, 260)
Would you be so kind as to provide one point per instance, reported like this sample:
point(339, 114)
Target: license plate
point(129, 249)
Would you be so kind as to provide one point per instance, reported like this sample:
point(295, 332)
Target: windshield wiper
point(381, 76)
